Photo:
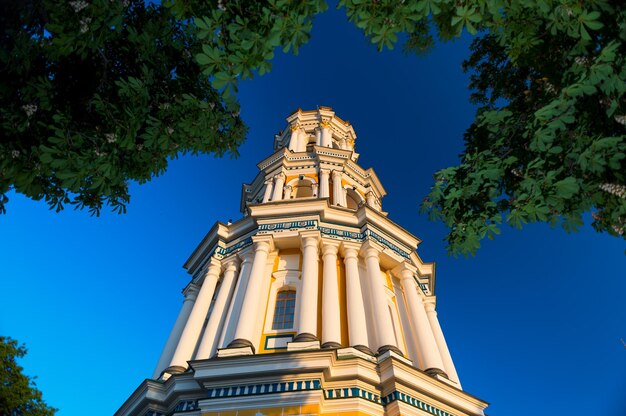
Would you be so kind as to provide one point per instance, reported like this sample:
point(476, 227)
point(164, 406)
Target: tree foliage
point(549, 140)
point(18, 393)
point(97, 94)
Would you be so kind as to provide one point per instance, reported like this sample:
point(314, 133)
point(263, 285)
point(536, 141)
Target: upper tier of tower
point(319, 127)
point(314, 157)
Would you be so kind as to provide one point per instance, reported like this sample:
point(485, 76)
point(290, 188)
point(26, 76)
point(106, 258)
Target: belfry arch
point(302, 187)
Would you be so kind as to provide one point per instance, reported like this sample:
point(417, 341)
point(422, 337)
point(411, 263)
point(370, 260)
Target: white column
point(234, 309)
point(279, 182)
point(327, 134)
point(303, 140)
point(324, 185)
point(331, 324)
point(370, 198)
point(357, 327)
point(318, 137)
point(191, 292)
point(269, 184)
point(428, 349)
point(293, 140)
point(209, 340)
point(307, 310)
point(287, 192)
point(382, 320)
point(337, 188)
point(193, 327)
point(249, 309)
point(441, 342)
point(314, 188)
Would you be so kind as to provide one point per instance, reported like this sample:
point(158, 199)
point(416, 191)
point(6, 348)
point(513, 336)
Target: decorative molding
point(288, 225)
point(222, 252)
point(347, 392)
point(335, 233)
point(186, 406)
point(266, 388)
point(405, 398)
point(387, 244)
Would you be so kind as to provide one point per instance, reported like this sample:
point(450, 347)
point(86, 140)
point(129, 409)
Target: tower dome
point(314, 302)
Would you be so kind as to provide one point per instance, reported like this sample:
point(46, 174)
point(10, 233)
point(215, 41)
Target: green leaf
point(566, 188)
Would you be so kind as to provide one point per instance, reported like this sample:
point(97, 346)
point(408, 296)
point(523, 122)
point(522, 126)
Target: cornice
point(159, 395)
point(218, 236)
point(334, 222)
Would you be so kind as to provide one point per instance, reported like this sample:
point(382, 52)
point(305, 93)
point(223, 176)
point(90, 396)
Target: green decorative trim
point(347, 392)
point(341, 233)
point(288, 225)
point(405, 398)
point(266, 388)
point(225, 251)
point(382, 240)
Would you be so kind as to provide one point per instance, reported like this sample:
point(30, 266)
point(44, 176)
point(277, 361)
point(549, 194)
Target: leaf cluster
point(96, 94)
point(549, 140)
point(18, 393)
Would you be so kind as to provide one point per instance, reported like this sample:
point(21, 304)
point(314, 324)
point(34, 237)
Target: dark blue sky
point(533, 322)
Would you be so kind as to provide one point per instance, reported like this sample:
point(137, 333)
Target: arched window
point(283, 312)
point(353, 199)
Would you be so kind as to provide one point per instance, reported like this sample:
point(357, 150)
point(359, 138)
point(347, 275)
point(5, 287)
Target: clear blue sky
point(533, 322)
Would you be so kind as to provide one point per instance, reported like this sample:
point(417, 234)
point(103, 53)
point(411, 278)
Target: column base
point(364, 349)
point(351, 352)
point(170, 371)
point(386, 348)
point(305, 337)
point(234, 351)
point(435, 372)
point(303, 345)
point(331, 345)
point(241, 343)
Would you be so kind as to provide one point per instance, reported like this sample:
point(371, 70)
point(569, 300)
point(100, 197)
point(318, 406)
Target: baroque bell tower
point(313, 303)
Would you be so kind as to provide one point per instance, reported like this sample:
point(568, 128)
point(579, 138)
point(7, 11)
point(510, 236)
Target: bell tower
point(314, 302)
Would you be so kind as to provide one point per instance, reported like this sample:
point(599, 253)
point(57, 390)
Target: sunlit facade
point(314, 302)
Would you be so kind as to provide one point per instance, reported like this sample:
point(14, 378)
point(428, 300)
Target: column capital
point(191, 291)
point(324, 171)
point(246, 255)
point(280, 176)
point(213, 266)
point(294, 127)
point(330, 247)
point(370, 249)
point(405, 270)
point(350, 249)
point(311, 237)
point(429, 303)
point(263, 243)
point(337, 173)
point(268, 180)
point(231, 263)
